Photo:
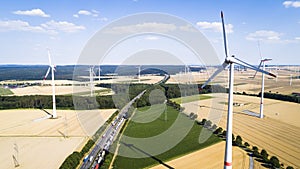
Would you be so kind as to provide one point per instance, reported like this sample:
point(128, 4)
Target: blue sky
point(28, 27)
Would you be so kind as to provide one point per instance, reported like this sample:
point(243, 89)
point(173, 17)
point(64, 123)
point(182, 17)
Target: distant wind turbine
point(99, 74)
point(52, 68)
point(230, 61)
point(92, 73)
point(262, 63)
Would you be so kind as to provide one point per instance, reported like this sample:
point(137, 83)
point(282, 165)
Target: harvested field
point(243, 81)
point(59, 90)
point(145, 79)
point(210, 157)
point(45, 143)
point(278, 132)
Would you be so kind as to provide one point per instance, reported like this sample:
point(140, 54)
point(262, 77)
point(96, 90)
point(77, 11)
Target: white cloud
point(297, 38)
point(33, 12)
point(187, 28)
point(215, 26)
point(148, 26)
point(51, 27)
point(18, 25)
point(295, 4)
point(84, 12)
point(62, 26)
point(93, 13)
point(264, 35)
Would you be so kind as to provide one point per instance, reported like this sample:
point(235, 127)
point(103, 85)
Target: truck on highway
point(99, 160)
point(91, 158)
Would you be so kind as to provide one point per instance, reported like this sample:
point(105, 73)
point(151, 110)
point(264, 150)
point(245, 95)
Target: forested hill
point(37, 72)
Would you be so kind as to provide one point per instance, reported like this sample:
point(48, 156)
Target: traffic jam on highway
point(97, 156)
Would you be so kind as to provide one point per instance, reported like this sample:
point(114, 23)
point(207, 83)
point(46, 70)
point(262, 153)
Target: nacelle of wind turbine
point(230, 61)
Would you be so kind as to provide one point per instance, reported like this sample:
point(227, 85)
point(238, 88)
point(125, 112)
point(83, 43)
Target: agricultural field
point(209, 157)
point(190, 98)
point(150, 122)
point(244, 81)
point(4, 91)
point(27, 134)
point(278, 132)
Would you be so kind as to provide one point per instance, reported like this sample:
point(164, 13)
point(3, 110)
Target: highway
point(102, 145)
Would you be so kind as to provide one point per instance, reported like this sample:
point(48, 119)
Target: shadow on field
point(45, 111)
point(132, 146)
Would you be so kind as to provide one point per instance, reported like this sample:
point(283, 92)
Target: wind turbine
point(99, 73)
point(139, 73)
point(92, 73)
point(52, 68)
point(262, 63)
point(230, 61)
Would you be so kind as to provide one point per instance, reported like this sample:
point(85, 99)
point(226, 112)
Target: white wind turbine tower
point(262, 63)
point(99, 73)
point(52, 68)
point(230, 61)
point(91, 71)
point(139, 73)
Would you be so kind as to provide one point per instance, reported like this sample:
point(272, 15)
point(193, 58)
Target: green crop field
point(5, 91)
point(190, 98)
point(161, 119)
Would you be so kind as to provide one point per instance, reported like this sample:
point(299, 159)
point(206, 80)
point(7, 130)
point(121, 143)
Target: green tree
point(255, 151)
point(218, 131)
point(264, 155)
point(289, 167)
point(214, 127)
point(203, 121)
point(246, 144)
point(224, 133)
point(208, 124)
point(274, 161)
point(239, 141)
point(191, 115)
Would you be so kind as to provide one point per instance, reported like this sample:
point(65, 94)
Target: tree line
point(276, 96)
point(62, 102)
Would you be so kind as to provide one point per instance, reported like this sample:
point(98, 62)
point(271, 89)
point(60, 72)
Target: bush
point(246, 144)
point(71, 161)
point(264, 155)
point(224, 133)
point(289, 167)
point(218, 131)
point(239, 141)
point(255, 151)
point(208, 124)
point(274, 161)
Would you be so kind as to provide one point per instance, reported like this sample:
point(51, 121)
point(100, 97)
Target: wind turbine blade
point(240, 62)
point(49, 57)
point(257, 67)
point(45, 77)
point(224, 34)
point(219, 70)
